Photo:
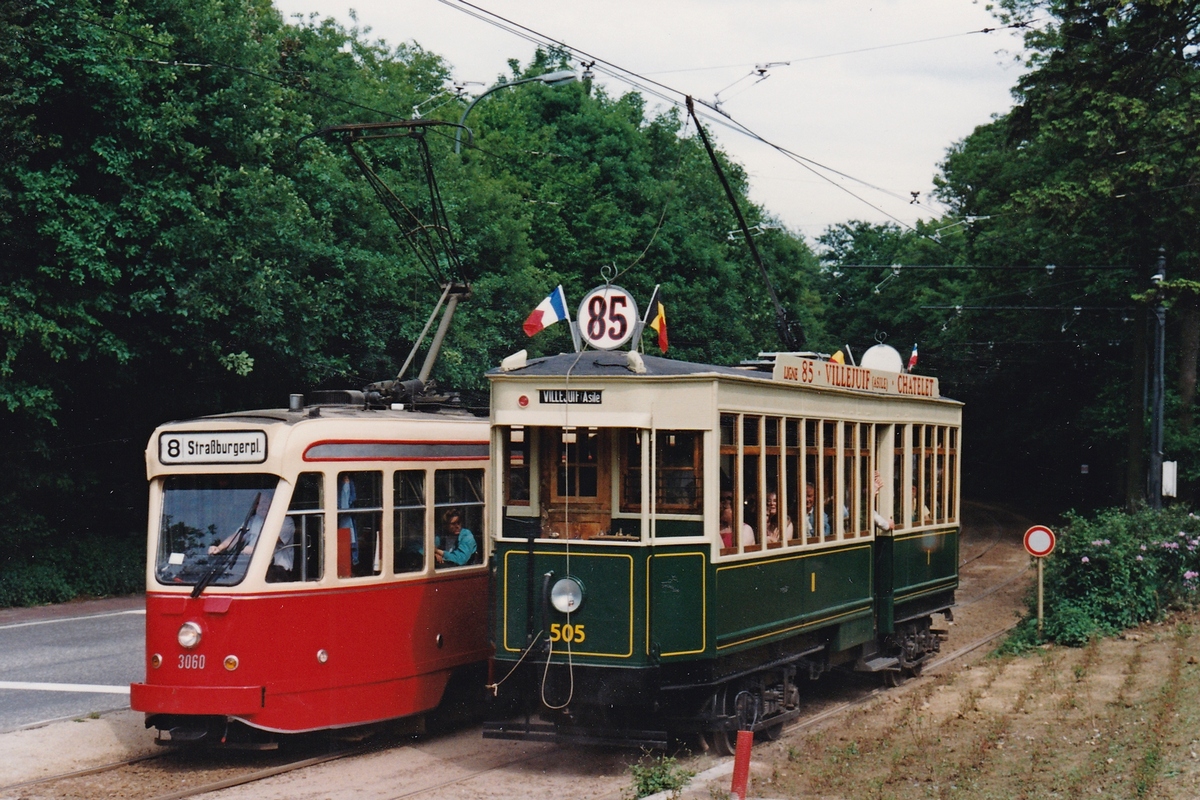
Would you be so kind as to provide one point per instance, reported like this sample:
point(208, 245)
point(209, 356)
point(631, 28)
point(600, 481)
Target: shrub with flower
point(1117, 570)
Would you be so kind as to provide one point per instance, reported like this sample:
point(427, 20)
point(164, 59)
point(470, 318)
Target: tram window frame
point(307, 514)
point(952, 499)
point(901, 496)
point(775, 483)
point(518, 462)
point(568, 481)
point(460, 490)
point(629, 465)
point(367, 531)
point(730, 467)
point(794, 478)
point(672, 481)
point(409, 508)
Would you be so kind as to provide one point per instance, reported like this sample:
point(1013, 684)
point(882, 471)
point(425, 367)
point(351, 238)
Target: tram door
point(577, 488)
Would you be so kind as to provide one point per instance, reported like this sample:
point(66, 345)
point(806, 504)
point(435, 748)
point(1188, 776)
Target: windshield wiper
point(231, 552)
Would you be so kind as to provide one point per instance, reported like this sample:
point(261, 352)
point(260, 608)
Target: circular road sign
point(607, 317)
point(1039, 541)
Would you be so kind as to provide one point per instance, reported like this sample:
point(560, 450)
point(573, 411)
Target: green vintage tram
point(677, 544)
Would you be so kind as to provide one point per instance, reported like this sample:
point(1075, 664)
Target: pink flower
point(1085, 559)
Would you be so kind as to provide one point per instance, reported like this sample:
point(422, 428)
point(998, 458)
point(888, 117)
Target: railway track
point(988, 562)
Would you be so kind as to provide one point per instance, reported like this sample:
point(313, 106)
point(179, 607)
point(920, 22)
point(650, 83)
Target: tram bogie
point(300, 574)
point(679, 548)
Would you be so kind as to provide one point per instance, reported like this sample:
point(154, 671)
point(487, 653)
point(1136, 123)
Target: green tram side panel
point(924, 563)
point(611, 613)
point(677, 591)
point(755, 601)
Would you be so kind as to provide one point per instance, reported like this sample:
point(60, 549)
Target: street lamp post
point(1157, 391)
point(559, 78)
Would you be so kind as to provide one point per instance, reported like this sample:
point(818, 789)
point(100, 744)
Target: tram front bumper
point(229, 701)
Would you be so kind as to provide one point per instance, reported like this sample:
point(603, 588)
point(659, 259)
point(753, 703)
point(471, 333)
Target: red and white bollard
point(741, 764)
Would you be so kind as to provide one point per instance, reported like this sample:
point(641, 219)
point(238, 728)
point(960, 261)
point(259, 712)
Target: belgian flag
point(656, 313)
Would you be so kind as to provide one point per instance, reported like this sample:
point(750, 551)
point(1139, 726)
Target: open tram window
point(752, 480)
point(299, 555)
point(794, 479)
point(733, 529)
point(952, 475)
point(831, 496)
point(210, 524)
point(816, 521)
point(458, 511)
point(900, 480)
point(408, 520)
point(360, 524)
point(779, 526)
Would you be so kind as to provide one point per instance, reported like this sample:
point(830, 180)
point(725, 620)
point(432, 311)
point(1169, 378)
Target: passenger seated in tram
point(810, 504)
point(284, 559)
point(773, 530)
point(462, 541)
point(727, 523)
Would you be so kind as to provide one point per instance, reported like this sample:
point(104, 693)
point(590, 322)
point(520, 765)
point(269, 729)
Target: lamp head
point(559, 78)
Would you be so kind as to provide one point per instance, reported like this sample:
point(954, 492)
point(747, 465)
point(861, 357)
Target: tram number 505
point(567, 633)
point(607, 317)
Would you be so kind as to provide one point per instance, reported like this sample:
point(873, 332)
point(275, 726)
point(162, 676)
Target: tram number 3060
point(191, 661)
point(566, 633)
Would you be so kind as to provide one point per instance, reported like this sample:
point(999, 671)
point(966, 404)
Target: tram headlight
point(566, 595)
point(189, 635)
point(231, 663)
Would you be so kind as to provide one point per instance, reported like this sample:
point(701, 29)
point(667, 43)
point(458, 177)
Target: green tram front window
point(211, 523)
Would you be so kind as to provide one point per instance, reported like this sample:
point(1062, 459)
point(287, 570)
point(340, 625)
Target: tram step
point(877, 664)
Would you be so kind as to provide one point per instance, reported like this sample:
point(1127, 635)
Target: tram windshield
point(209, 526)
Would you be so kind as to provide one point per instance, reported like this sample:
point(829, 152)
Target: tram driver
point(284, 557)
point(458, 543)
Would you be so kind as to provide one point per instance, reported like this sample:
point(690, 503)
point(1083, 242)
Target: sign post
point(1039, 543)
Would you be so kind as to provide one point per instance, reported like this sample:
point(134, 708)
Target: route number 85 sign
point(607, 317)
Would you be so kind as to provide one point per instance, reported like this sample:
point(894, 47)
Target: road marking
point(141, 612)
point(85, 688)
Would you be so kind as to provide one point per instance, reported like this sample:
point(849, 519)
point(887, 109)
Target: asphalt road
point(65, 662)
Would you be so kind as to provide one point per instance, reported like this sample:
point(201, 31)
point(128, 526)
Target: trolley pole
point(1154, 484)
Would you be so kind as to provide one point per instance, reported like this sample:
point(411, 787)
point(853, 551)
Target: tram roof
point(615, 364)
point(591, 364)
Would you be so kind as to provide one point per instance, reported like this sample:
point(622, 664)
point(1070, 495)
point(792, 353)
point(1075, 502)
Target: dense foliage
point(1057, 213)
point(1114, 571)
point(170, 249)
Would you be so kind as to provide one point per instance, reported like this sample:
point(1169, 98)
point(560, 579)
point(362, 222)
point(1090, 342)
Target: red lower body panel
point(315, 659)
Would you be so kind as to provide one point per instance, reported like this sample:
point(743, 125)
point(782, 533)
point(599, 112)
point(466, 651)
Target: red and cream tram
point(302, 571)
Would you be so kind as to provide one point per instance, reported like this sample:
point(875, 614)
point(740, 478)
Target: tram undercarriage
point(610, 707)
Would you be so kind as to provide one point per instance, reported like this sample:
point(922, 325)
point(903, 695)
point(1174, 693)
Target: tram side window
point(778, 515)
point(795, 481)
point(631, 470)
point(360, 524)
point(752, 490)
point(678, 479)
point(298, 554)
point(458, 513)
point(952, 475)
point(516, 465)
point(898, 477)
point(734, 530)
point(408, 520)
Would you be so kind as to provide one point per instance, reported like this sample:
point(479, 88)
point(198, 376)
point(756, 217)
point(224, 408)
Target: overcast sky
point(876, 89)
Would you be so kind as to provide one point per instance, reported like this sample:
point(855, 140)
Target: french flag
point(548, 312)
point(912, 360)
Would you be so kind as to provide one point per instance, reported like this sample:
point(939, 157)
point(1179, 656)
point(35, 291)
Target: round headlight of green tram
point(566, 595)
point(189, 635)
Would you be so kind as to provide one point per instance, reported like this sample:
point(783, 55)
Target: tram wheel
point(741, 704)
point(894, 677)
